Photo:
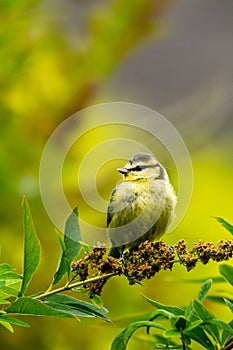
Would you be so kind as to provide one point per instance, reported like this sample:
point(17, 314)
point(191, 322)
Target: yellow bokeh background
point(50, 69)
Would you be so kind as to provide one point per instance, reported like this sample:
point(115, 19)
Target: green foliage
point(76, 307)
point(191, 323)
point(121, 341)
point(30, 306)
point(225, 224)
point(227, 272)
point(6, 322)
point(10, 283)
point(14, 286)
point(31, 248)
point(183, 324)
point(70, 246)
point(205, 287)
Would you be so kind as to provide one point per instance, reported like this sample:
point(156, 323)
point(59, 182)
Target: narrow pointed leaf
point(192, 325)
point(86, 247)
point(122, 339)
point(31, 248)
point(227, 272)
point(7, 273)
point(229, 304)
point(61, 240)
point(221, 324)
point(173, 309)
point(70, 247)
point(204, 289)
point(28, 306)
point(7, 325)
point(226, 336)
point(5, 268)
point(198, 335)
point(13, 321)
point(6, 292)
point(190, 312)
point(207, 317)
point(216, 299)
point(225, 224)
point(160, 313)
point(10, 276)
point(201, 311)
point(97, 301)
point(4, 302)
point(76, 307)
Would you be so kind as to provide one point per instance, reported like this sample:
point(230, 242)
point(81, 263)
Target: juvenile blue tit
point(141, 206)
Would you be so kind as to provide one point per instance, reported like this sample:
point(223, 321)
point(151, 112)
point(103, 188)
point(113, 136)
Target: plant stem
point(73, 285)
point(229, 345)
point(183, 343)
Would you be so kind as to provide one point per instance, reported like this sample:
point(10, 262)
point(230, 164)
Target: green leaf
point(173, 309)
point(70, 247)
point(220, 324)
point(160, 313)
point(10, 276)
point(31, 248)
point(4, 302)
point(207, 317)
point(6, 292)
point(198, 335)
point(61, 240)
point(201, 311)
point(5, 268)
point(13, 321)
point(178, 322)
point(76, 307)
point(6, 273)
point(97, 301)
point(192, 325)
point(122, 339)
point(229, 304)
point(204, 289)
point(7, 325)
point(227, 272)
point(86, 247)
point(225, 224)
point(190, 312)
point(170, 333)
point(216, 299)
point(28, 306)
point(226, 336)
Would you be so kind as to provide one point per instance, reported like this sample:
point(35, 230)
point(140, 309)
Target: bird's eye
point(137, 168)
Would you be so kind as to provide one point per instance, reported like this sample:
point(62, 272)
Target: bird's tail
point(114, 252)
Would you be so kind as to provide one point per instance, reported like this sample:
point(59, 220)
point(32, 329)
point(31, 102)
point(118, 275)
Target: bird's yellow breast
point(147, 205)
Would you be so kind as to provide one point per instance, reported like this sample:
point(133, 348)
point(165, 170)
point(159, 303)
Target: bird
point(141, 206)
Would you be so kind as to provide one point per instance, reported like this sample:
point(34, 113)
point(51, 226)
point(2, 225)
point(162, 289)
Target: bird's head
point(143, 166)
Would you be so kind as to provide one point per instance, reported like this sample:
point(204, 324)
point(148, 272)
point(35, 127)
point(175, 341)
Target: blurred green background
point(58, 57)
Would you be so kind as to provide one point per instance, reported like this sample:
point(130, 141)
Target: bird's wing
point(110, 212)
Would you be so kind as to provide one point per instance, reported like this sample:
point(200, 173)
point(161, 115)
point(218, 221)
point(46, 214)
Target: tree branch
point(73, 285)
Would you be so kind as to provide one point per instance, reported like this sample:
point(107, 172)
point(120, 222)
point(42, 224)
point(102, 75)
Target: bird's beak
point(123, 171)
